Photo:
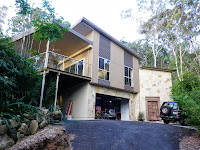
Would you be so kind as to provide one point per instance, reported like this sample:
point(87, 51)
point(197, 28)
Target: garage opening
point(111, 107)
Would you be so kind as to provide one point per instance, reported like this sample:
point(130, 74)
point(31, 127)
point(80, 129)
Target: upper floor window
point(104, 65)
point(128, 76)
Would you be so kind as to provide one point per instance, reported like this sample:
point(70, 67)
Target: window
point(104, 65)
point(128, 76)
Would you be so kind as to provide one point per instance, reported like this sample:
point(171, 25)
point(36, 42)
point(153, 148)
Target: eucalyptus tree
point(43, 20)
point(182, 31)
point(143, 47)
point(3, 10)
point(20, 22)
point(148, 20)
point(175, 26)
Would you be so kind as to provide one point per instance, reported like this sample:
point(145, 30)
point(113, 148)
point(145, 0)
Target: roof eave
point(158, 69)
point(109, 36)
point(32, 30)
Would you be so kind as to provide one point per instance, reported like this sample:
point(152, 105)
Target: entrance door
point(152, 108)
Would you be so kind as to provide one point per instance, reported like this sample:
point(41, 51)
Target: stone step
point(59, 123)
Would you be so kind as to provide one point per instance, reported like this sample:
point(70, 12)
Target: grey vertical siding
point(128, 59)
point(104, 51)
point(128, 88)
point(104, 82)
point(104, 47)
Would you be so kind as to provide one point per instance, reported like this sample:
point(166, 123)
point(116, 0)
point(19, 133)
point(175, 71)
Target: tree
point(3, 10)
point(182, 30)
point(187, 94)
point(143, 48)
point(21, 22)
point(42, 19)
point(174, 27)
point(18, 78)
point(19, 83)
point(149, 28)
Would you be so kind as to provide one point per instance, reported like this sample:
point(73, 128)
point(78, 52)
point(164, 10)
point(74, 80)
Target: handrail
point(64, 63)
point(36, 55)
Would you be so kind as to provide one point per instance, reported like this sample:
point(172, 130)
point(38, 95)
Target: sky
point(104, 13)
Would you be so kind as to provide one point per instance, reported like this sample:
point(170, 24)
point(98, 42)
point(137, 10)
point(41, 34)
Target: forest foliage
point(171, 34)
point(20, 82)
point(172, 41)
point(186, 93)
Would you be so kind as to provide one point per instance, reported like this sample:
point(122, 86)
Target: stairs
point(55, 122)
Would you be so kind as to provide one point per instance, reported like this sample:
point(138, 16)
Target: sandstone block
point(13, 134)
point(20, 136)
point(23, 129)
point(3, 129)
point(30, 116)
point(14, 123)
point(1, 122)
point(39, 118)
point(5, 141)
point(26, 121)
point(57, 115)
point(33, 128)
point(43, 124)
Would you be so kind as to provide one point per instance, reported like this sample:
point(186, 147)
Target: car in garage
point(170, 112)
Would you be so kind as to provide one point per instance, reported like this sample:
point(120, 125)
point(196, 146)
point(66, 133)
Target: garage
point(111, 107)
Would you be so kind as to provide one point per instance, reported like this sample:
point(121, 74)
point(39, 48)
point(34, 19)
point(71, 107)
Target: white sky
point(103, 13)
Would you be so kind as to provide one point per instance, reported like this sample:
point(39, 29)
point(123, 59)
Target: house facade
point(94, 71)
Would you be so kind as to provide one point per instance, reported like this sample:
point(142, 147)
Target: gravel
point(190, 142)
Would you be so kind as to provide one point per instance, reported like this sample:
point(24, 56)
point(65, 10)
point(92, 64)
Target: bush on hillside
point(20, 83)
point(187, 94)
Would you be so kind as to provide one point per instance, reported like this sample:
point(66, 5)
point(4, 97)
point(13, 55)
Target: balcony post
point(63, 65)
point(44, 73)
point(42, 89)
point(56, 94)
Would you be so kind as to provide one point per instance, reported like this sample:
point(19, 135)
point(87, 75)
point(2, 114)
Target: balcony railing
point(63, 63)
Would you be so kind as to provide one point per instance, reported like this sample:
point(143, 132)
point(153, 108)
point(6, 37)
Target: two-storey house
point(93, 69)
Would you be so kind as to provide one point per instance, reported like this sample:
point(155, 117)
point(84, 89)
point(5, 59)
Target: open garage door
point(111, 107)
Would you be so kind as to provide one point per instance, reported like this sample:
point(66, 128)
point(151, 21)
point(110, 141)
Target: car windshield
point(171, 104)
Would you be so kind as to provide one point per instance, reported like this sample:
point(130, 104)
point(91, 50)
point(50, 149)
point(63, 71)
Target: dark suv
point(170, 112)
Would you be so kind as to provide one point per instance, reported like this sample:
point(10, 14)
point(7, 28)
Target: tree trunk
point(154, 54)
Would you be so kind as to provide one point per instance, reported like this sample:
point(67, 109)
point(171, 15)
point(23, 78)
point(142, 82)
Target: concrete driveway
point(124, 135)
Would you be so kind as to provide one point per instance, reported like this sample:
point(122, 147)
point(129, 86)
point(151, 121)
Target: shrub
point(141, 116)
point(20, 83)
point(187, 94)
point(18, 78)
point(13, 109)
